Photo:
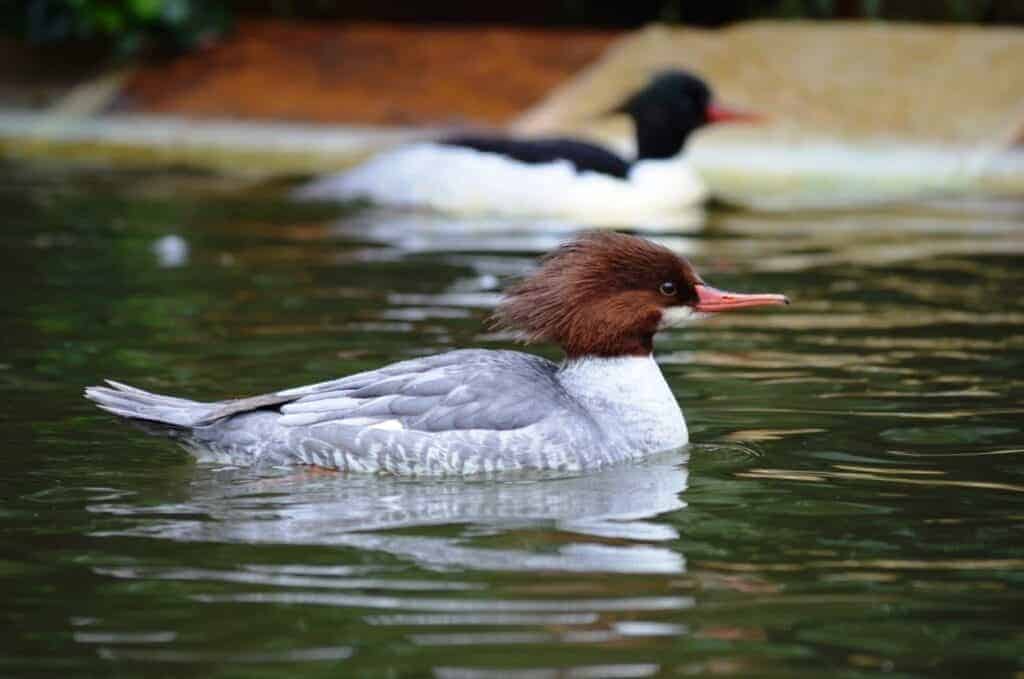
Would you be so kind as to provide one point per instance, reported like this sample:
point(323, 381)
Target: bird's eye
point(668, 288)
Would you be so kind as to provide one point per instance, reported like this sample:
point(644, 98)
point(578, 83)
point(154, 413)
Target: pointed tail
point(137, 404)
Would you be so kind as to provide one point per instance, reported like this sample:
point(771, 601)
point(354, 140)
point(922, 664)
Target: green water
point(852, 505)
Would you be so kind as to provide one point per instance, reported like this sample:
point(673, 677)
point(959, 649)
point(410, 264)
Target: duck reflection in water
point(609, 519)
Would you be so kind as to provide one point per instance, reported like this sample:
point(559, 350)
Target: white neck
point(629, 399)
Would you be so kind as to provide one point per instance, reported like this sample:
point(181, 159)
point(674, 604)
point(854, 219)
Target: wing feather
point(459, 390)
point(491, 390)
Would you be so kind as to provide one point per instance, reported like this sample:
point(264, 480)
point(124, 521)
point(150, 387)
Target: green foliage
point(128, 26)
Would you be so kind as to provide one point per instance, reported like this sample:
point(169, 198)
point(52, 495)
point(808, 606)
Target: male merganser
point(601, 298)
point(556, 177)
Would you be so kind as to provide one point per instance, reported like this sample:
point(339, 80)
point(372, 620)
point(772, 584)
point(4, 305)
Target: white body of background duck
point(601, 298)
point(554, 177)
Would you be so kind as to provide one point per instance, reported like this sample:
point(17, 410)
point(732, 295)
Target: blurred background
point(852, 504)
point(863, 100)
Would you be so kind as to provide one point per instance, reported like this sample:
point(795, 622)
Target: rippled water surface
point(853, 503)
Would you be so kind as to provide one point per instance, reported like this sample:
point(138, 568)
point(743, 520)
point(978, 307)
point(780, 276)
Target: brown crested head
point(603, 294)
point(606, 294)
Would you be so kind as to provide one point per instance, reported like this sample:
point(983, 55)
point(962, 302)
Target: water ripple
point(653, 603)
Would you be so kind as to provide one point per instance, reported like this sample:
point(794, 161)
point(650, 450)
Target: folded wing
point(459, 390)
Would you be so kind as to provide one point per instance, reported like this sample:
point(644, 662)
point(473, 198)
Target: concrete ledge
point(258, 148)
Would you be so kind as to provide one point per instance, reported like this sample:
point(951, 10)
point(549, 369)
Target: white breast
point(466, 181)
point(629, 399)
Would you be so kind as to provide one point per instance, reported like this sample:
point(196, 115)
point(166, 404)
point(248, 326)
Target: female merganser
point(555, 177)
point(601, 297)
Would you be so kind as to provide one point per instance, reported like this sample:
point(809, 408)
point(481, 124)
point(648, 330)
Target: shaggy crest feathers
point(597, 295)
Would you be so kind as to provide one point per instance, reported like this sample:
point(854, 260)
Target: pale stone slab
point(235, 146)
point(959, 85)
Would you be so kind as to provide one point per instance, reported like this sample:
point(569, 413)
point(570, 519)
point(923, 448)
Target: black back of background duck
point(664, 113)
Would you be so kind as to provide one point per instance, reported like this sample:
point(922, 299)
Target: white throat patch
point(675, 316)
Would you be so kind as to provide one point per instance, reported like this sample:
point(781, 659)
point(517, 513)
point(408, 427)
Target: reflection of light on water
point(848, 473)
point(418, 232)
point(887, 254)
point(470, 619)
point(124, 637)
point(267, 576)
point(391, 221)
point(505, 249)
point(606, 604)
point(453, 299)
point(578, 672)
point(620, 503)
point(888, 564)
point(604, 522)
point(171, 251)
point(328, 653)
